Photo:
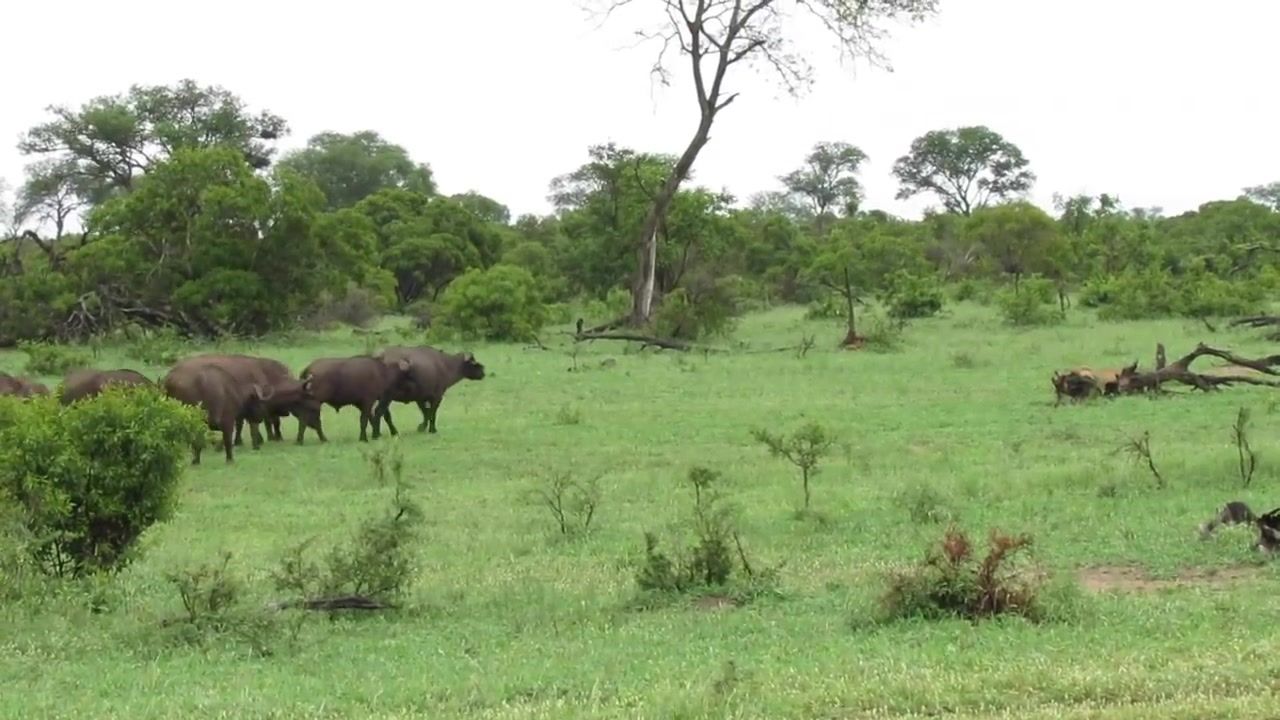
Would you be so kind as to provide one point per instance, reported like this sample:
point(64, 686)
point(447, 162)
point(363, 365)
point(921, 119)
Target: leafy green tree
point(600, 205)
point(864, 256)
point(426, 242)
point(348, 242)
point(350, 168)
point(424, 264)
point(105, 144)
point(1228, 237)
point(52, 195)
point(780, 202)
point(965, 167)
point(775, 251)
point(485, 208)
point(718, 35)
point(1268, 195)
point(828, 181)
point(205, 244)
point(1017, 237)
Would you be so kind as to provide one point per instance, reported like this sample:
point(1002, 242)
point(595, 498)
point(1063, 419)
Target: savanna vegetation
point(777, 456)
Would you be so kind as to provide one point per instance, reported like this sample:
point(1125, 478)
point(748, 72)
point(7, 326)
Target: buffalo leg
point(256, 434)
point(384, 412)
point(239, 431)
point(302, 429)
point(196, 447)
point(365, 418)
point(228, 431)
point(426, 415)
point(435, 408)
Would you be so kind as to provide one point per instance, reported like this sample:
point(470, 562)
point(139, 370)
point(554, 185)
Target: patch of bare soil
point(1127, 578)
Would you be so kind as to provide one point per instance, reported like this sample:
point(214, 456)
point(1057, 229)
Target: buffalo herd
point(236, 389)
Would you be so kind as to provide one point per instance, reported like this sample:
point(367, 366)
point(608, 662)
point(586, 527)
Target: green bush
point(357, 307)
point(91, 477)
point(705, 306)
point(16, 569)
point(1156, 293)
point(910, 296)
point(1132, 295)
point(501, 303)
point(1032, 302)
point(153, 346)
point(974, 290)
point(712, 563)
point(953, 581)
point(45, 358)
point(828, 307)
point(34, 305)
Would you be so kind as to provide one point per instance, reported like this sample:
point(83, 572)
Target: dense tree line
point(167, 206)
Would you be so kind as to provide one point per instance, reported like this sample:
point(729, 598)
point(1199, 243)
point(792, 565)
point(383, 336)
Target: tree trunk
point(647, 252)
point(848, 297)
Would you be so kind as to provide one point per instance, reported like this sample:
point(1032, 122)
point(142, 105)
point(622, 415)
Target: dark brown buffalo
point(81, 384)
point(21, 386)
point(287, 395)
point(433, 373)
point(222, 396)
point(362, 381)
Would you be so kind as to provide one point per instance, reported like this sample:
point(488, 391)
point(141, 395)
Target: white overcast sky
point(1166, 103)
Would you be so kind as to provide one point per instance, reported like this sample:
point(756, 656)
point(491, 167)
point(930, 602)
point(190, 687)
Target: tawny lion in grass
point(1084, 382)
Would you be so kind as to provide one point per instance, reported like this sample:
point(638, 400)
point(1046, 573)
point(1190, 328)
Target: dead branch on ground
point(645, 340)
point(1179, 371)
point(342, 602)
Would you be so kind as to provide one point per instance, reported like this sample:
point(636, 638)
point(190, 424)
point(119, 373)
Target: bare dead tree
point(718, 35)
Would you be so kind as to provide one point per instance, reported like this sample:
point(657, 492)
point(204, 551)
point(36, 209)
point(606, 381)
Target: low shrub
point(706, 306)
point(420, 312)
point(881, 334)
point(17, 571)
point(153, 346)
point(1032, 302)
point(45, 358)
point(500, 303)
point(973, 290)
point(804, 448)
point(924, 504)
point(90, 478)
point(212, 598)
point(1156, 293)
point(712, 562)
point(357, 307)
point(953, 582)
point(377, 565)
point(908, 296)
point(828, 307)
point(572, 504)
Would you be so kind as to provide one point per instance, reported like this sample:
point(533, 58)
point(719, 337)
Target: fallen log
point(1260, 321)
point(341, 602)
point(1180, 371)
point(1257, 321)
point(646, 340)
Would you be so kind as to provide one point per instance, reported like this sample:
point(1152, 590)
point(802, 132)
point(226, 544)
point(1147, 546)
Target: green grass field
point(508, 621)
